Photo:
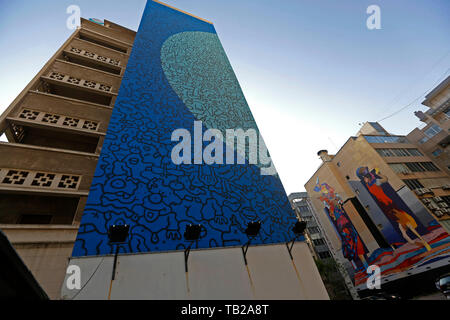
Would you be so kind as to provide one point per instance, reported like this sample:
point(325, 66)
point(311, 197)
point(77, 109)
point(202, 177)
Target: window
point(377, 127)
point(415, 167)
point(415, 152)
point(423, 140)
point(413, 183)
point(319, 242)
point(35, 219)
point(385, 139)
point(303, 208)
point(399, 168)
point(437, 152)
point(432, 131)
point(429, 166)
point(313, 230)
point(324, 255)
point(446, 199)
point(447, 112)
point(398, 152)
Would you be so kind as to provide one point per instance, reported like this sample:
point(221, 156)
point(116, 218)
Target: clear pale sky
point(311, 70)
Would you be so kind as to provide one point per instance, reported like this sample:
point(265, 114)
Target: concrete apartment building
point(55, 130)
point(433, 137)
point(363, 198)
point(314, 235)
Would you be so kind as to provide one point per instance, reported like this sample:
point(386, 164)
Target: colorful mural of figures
point(416, 240)
point(420, 241)
point(395, 209)
point(353, 248)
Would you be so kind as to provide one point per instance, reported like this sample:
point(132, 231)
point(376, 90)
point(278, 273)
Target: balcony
point(92, 60)
point(110, 30)
point(45, 171)
point(106, 42)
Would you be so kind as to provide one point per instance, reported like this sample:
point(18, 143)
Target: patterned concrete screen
point(178, 75)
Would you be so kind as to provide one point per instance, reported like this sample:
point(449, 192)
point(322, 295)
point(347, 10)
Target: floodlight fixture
point(253, 229)
point(298, 229)
point(118, 234)
point(252, 232)
point(191, 234)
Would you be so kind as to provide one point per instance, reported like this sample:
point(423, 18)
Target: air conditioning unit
point(445, 210)
point(443, 205)
point(432, 206)
point(438, 199)
point(426, 190)
point(419, 192)
point(438, 213)
point(426, 200)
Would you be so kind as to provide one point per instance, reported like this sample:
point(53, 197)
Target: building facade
point(315, 237)
point(90, 145)
point(369, 213)
point(55, 130)
point(432, 139)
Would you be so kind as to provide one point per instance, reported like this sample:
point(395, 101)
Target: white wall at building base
point(213, 274)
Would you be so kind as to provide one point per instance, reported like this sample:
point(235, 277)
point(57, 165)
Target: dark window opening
point(102, 43)
point(56, 138)
point(413, 183)
point(37, 209)
point(324, 255)
point(35, 219)
point(90, 64)
point(75, 93)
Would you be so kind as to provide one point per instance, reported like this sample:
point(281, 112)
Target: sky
point(311, 71)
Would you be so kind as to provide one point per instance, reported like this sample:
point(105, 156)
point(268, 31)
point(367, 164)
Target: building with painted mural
point(128, 129)
point(432, 138)
point(88, 150)
point(363, 198)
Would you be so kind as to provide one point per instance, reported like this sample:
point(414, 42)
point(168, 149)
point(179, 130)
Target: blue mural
point(177, 73)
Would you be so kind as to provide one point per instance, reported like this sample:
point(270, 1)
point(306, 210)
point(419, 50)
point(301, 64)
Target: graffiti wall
point(178, 73)
point(413, 237)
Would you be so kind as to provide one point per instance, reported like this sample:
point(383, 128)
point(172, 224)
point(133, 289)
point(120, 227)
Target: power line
point(397, 98)
point(422, 95)
point(95, 271)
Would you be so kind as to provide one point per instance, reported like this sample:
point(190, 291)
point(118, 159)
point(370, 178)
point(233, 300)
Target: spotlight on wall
point(191, 234)
point(118, 234)
point(253, 229)
point(298, 229)
point(252, 232)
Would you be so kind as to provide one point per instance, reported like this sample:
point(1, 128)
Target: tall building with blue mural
point(182, 148)
point(178, 77)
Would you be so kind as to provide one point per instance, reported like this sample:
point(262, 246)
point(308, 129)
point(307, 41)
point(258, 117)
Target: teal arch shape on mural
point(198, 70)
